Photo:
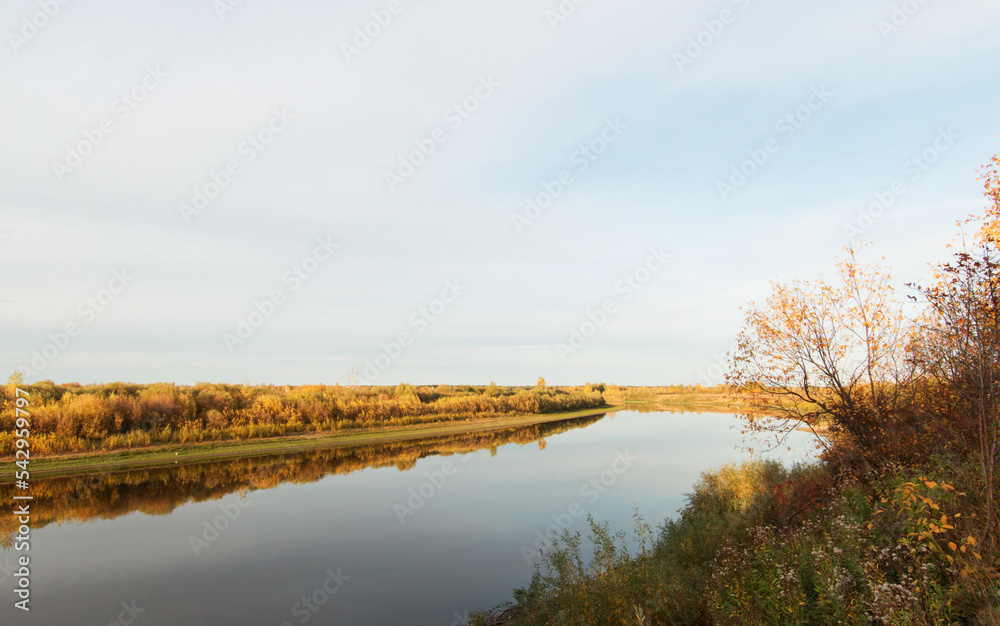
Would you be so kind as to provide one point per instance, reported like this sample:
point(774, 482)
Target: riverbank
point(174, 454)
point(761, 543)
point(108, 495)
point(77, 428)
point(72, 418)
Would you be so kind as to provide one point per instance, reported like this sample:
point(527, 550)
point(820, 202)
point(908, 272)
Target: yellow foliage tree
point(825, 354)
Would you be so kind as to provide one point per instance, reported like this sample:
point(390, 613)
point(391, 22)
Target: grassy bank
point(174, 454)
point(74, 418)
point(764, 544)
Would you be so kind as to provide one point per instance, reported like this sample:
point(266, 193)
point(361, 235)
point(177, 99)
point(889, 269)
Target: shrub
point(213, 398)
point(86, 416)
point(124, 411)
point(163, 405)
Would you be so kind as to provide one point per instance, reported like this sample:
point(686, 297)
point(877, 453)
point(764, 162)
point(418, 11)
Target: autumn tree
point(990, 176)
point(959, 343)
point(825, 354)
point(16, 378)
point(959, 348)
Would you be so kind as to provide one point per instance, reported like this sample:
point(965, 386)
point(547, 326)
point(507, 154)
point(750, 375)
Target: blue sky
point(116, 116)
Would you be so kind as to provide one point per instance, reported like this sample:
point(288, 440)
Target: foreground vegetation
point(763, 544)
point(76, 418)
point(896, 522)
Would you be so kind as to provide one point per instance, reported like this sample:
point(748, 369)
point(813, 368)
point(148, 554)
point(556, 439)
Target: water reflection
point(160, 491)
point(329, 537)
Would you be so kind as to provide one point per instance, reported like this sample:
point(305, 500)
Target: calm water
point(414, 534)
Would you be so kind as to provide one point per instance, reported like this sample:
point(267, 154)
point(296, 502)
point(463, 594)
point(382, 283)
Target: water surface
point(414, 533)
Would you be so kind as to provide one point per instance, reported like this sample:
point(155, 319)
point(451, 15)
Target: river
point(414, 533)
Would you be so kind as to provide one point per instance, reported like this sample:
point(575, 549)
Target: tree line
point(72, 417)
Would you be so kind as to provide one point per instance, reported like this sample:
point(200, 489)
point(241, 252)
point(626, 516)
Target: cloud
point(355, 118)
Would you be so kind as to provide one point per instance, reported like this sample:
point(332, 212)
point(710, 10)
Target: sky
point(454, 192)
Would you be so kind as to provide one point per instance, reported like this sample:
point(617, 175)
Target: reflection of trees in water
point(160, 491)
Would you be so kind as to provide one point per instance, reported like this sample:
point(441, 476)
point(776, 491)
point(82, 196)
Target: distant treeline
point(617, 393)
point(73, 417)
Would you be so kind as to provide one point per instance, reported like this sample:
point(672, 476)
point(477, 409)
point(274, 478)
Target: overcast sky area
point(281, 192)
